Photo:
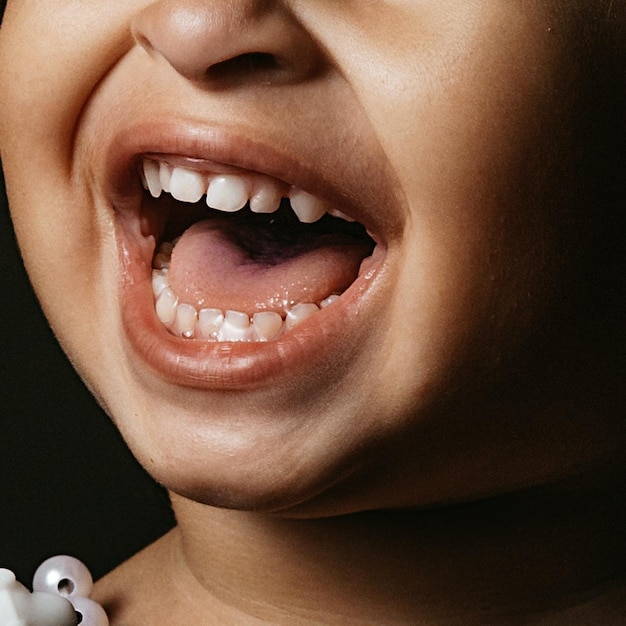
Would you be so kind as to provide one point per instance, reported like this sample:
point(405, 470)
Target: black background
point(67, 482)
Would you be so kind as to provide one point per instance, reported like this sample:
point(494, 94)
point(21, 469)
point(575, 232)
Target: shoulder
point(133, 592)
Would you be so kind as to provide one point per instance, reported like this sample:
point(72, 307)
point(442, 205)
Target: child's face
point(451, 129)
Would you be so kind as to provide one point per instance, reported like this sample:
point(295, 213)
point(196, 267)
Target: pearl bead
point(63, 575)
point(19, 607)
point(90, 613)
point(7, 578)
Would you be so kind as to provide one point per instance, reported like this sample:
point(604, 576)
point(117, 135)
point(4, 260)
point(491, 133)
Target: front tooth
point(308, 208)
point(187, 185)
point(166, 306)
point(152, 177)
point(235, 327)
point(265, 199)
point(165, 176)
point(267, 325)
point(299, 313)
point(209, 322)
point(227, 193)
point(186, 320)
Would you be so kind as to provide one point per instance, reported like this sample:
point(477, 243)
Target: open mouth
point(239, 262)
point(241, 256)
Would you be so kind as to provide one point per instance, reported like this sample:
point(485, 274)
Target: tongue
point(215, 265)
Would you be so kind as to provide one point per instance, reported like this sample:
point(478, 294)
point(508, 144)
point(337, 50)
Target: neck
point(530, 552)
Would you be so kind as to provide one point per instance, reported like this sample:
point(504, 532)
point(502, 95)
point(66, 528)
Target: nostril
point(251, 63)
point(228, 44)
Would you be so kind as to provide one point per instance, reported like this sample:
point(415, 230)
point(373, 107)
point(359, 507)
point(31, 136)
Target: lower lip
point(329, 339)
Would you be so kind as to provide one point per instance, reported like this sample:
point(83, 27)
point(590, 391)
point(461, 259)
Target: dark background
point(67, 482)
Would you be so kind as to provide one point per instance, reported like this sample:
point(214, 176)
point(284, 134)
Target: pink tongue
point(210, 270)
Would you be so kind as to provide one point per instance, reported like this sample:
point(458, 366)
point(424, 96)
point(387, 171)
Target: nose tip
point(221, 41)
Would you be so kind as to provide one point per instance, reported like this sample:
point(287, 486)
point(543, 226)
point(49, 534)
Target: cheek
point(53, 55)
point(53, 67)
point(478, 132)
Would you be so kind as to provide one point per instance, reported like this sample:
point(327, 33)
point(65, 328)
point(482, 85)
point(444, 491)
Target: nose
point(228, 41)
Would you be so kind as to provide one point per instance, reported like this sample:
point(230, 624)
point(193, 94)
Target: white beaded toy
point(60, 597)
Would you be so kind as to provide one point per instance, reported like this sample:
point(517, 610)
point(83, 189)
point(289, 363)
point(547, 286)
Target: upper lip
point(221, 150)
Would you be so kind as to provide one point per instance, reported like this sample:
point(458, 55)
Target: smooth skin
point(461, 462)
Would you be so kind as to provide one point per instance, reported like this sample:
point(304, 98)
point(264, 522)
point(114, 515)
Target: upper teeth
point(231, 192)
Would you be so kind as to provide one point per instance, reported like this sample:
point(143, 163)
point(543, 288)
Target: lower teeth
point(212, 324)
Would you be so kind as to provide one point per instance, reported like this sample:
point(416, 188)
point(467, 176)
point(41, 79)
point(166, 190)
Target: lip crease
point(332, 335)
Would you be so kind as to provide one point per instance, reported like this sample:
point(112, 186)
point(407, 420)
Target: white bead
point(47, 609)
point(90, 613)
point(19, 607)
point(63, 575)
